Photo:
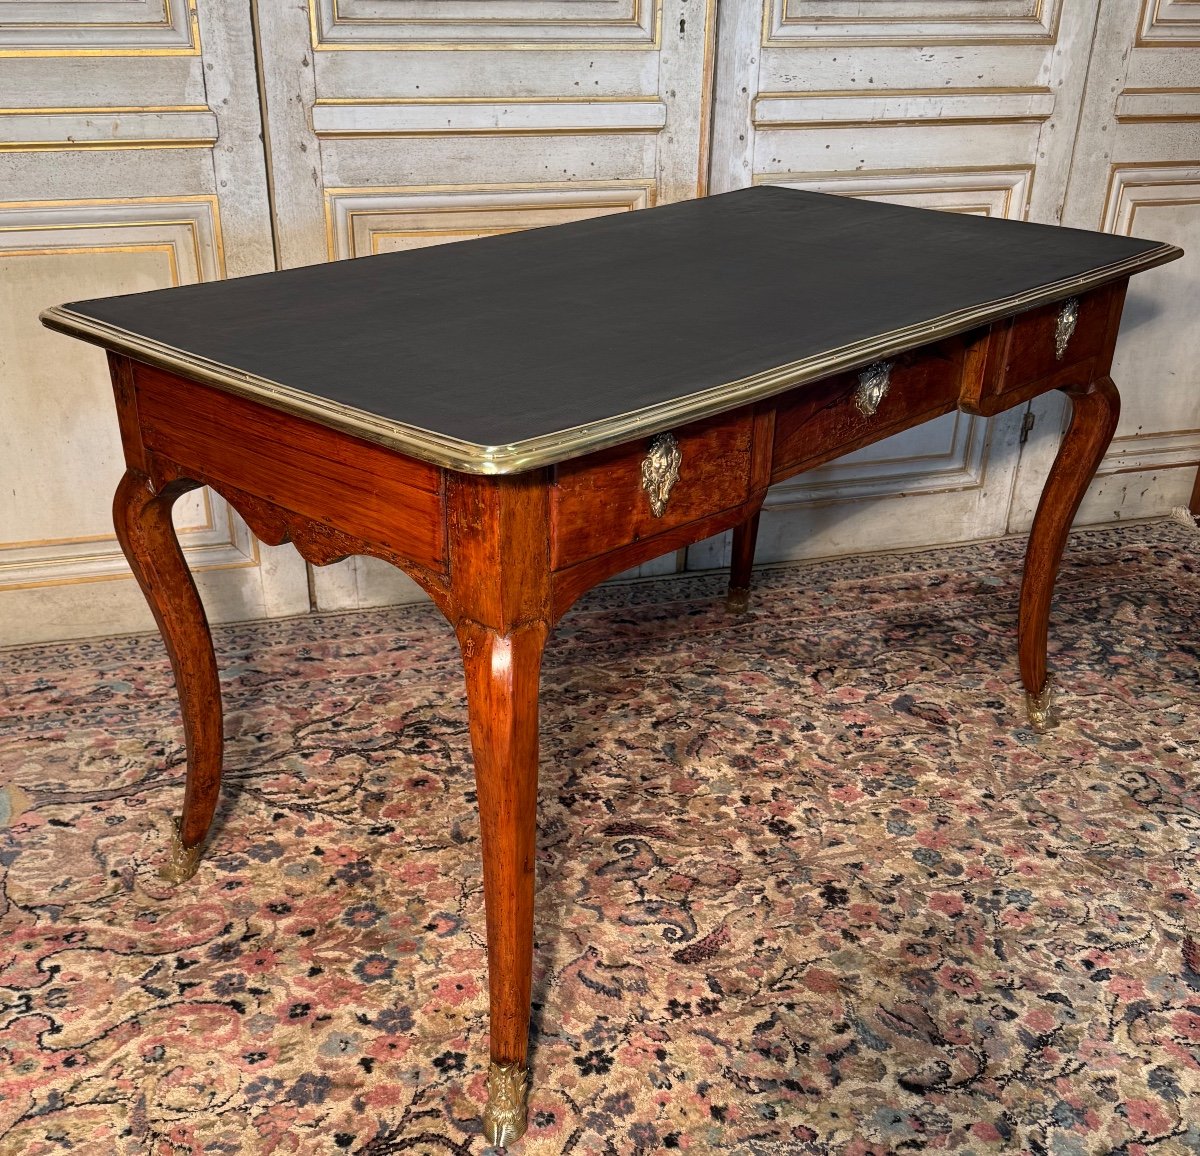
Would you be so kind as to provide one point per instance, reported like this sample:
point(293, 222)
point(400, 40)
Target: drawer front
point(601, 502)
point(825, 419)
point(1045, 341)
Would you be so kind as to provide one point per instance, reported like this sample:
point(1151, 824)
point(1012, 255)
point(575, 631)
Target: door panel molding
point(1136, 171)
point(998, 192)
point(132, 162)
point(371, 155)
point(883, 108)
point(365, 220)
point(57, 129)
point(904, 23)
point(98, 28)
point(338, 25)
point(476, 116)
point(1169, 24)
point(947, 457)
point(185, 232)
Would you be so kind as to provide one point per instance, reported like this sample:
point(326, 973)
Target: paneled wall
point(414, 122)
point(129, 160)
point(1136, 170)
point(145, 143)
point(966, 106)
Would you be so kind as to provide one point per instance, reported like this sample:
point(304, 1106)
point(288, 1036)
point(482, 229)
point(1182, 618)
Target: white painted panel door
point(1137, 172)
point(960, 105)
point(129, 160)
point(396, 124)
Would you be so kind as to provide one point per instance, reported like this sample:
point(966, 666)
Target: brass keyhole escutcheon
point(660, 471)
point(1068, 318)
point(873, 385)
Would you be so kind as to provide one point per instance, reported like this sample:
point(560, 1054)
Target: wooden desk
point(512, 420)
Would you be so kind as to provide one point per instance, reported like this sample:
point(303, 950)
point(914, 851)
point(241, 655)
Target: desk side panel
point(381, 497)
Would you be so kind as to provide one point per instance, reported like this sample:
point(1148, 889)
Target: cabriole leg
point(1094, 412)
point(143, 522)
point(502, 699)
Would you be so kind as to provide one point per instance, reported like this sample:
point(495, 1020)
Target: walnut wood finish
point(1027, 350)
point(326, 476)
point(142, 516)
point(504, 557)
point(502, 671)
point(745, 533)
point(597, 502)
point(823, 422)
point(745, 536)
point(1095, 408)
point(500, 606)
point(1018, 360)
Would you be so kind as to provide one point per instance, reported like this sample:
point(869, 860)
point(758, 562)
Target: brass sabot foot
point(737, 601)
point(182, 862)
point(1042, 709)
point(504, 1118)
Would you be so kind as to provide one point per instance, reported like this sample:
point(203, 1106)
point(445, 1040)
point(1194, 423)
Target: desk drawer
point(1045, 341)
point(599, 502)
point(825, 419)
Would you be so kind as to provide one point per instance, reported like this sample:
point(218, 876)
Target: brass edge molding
point(547, 449)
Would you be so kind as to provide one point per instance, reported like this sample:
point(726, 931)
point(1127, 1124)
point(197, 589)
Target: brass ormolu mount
point(182, 862)
point(1042, 709)
point(504, 1118)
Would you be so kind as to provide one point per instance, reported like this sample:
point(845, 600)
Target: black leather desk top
point(502, 348)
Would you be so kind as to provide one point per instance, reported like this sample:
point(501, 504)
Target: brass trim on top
point(561, 445)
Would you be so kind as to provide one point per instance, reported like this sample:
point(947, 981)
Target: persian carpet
point(807, 881)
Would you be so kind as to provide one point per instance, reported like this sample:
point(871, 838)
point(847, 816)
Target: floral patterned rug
point(807, 881)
